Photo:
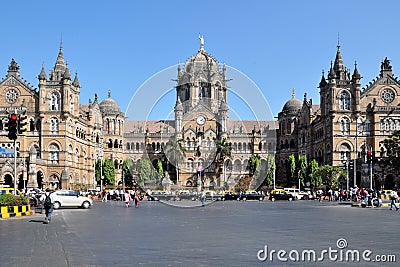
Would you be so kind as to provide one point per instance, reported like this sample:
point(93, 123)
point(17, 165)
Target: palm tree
point(175, 153)
point(223, 152)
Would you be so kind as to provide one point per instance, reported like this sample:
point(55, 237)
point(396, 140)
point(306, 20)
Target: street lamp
point(346, 162)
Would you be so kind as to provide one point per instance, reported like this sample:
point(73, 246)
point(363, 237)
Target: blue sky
point(279, 45)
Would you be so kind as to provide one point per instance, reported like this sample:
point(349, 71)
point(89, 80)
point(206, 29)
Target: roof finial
point(61, 42)
point(201, 38)
point(338, 40)
point(109, 93)
point(293, 93)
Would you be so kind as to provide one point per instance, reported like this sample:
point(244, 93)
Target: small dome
point(109, 105)
point(293, 104)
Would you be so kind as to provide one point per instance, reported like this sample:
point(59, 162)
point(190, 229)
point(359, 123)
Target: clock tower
point(201, 113)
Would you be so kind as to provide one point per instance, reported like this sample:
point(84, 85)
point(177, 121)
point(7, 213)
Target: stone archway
point(389, 182)
point(40, 179)
point(8, 180)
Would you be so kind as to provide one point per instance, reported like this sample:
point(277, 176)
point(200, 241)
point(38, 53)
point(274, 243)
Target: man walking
point(393, 198)
point(48, 202)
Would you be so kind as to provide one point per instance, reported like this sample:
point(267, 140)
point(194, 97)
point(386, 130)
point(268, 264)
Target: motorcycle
point(371, 202)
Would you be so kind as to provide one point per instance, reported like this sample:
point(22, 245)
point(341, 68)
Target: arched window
point(344, 100)
point(54, 153)
point(54, 125)
point(54, 101)
point(345, 150)
point(345, 125)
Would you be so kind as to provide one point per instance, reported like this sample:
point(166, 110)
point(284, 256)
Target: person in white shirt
point(48, 203)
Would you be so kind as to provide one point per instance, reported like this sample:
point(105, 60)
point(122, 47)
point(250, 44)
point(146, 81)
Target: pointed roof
point(323, 82)
point(356, 75)
point(42, 74)
point(76, 81)
point(67, 74)
point(339, 64)
point(60, 62)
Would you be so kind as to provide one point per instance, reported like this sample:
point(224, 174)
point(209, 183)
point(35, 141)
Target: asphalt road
point(229, 233)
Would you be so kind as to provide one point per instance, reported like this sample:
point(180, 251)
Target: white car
point(70, 198)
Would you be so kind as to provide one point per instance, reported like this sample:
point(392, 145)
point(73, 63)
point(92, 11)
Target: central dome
point(293, 104)
point(109, 105)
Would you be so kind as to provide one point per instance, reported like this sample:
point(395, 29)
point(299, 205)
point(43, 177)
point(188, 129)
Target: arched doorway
point(40, 178)
point(21, 182)
point(389, 182)
point(8, 180)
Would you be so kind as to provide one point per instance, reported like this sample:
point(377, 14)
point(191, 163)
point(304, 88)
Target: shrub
point(11, 200)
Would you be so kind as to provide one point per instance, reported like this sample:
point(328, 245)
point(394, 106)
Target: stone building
point(63, 138)
point(349, 122)
point(201, 119)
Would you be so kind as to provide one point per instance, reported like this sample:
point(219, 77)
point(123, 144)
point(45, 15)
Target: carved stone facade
point(348, 122)
point(63, 137)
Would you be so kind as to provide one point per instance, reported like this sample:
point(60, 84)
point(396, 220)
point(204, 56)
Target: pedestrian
point(136, 198)
point(48, 203)
point(393, 198)
point(104, 196)
point(127, 198)
point(203, 198)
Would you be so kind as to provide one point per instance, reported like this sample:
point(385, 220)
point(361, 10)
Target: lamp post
point(346, 162)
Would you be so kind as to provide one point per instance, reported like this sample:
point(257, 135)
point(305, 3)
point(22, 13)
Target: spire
point(76, 81)
point(356, 75)
point(331, 74)
point(323, 82)
point(60, 63)
point(339, 65)
point(95, 99)
point(67, 74)
point(42, 74)
point(293, 93)
point(109, 93)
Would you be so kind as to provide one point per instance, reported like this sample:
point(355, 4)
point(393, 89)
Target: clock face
point(12, 95)
point(201, 119)
point(387, 95)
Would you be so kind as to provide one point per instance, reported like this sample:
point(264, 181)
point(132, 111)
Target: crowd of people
point(120, 195)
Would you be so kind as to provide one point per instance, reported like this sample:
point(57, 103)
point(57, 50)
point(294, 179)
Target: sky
point(121, 45)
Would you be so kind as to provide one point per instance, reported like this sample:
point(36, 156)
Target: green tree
point(109, 172)
point(146, 171)
point(271, 169)
point(159, 169)
point(127, 171)
point(175, 153)
point(292, 170)
point(98, 169)
point(316, 180)
point(392, 145)
point(330, 175)
point(224, 151)
point(303, 166)
point(254, 165)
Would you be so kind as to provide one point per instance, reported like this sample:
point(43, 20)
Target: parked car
point(252, 195)
point(231, 196)
point(9, 190)
point(280, 194)
point(70, 198)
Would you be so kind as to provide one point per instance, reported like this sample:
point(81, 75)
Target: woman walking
point(127, 198)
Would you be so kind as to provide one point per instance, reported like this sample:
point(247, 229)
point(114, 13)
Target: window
point(345, 125)
point(344, 101)
point(54, 125)
point(54, 100)
point(54, 152)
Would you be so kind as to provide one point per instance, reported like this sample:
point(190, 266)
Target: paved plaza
point(229, 233)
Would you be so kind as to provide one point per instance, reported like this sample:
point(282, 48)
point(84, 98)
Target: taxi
point(9, 191)
point(281, 194)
